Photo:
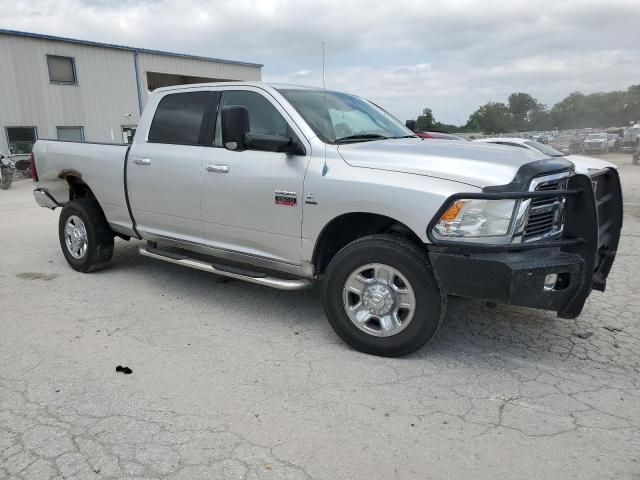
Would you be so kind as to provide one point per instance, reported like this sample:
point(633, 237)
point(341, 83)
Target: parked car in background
point(597, 143)
point(630, 139)
point(582, 163)
point(616, 141)
point(567, 144)
point(440, 136)
point(411, 125)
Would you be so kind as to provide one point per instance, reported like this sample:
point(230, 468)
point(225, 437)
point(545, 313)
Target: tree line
point(523, 112)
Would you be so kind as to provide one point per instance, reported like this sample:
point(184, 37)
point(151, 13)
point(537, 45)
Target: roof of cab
point(276, 86)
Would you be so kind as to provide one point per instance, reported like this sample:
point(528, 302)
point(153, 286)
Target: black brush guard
point(514, 273)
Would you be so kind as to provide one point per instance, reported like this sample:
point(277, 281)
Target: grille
point(593, 146)
point(545, 214)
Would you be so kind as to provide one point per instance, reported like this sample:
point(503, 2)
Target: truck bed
point(99, 165)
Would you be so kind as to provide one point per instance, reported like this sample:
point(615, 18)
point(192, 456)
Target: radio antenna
point(325, 168)
point(324, 86)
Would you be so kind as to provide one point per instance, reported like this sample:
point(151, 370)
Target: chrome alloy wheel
point(379, 300)
point(75, 237)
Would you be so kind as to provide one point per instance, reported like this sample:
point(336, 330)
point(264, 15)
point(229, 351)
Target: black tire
point(7, 180)
point(99, 235)
point(412, 262)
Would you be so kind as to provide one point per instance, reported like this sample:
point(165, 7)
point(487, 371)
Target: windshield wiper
point(405, 136)
point(361, 136)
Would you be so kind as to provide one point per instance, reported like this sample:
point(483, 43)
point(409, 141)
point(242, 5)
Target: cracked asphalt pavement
point(236, 381)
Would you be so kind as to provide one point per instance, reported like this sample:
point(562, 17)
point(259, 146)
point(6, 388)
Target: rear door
point(164, 171)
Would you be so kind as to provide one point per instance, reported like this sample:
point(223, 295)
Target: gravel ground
point(232, 380)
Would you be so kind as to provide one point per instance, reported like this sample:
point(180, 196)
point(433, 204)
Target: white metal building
point(53, 87)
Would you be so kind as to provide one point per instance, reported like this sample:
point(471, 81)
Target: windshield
point(597, 136)
point(341, 118)
point(546, 149)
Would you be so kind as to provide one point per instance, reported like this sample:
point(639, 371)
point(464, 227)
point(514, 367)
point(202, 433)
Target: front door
point(164, 171)
point(252, 200)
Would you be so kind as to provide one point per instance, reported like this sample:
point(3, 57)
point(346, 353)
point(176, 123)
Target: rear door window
point(179, 119)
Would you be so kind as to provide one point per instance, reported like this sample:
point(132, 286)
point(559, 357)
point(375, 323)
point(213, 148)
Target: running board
point(253, 277)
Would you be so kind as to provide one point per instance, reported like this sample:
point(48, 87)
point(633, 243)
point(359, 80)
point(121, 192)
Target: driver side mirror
point(411, 125)
point(235, 125)
point(236, 135)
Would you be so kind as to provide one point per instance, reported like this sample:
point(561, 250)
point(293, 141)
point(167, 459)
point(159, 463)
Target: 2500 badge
point(287, 199)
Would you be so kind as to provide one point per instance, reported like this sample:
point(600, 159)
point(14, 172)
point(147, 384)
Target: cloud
point(450, 55)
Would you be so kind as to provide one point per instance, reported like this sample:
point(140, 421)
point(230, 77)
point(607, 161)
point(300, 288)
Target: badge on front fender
point(287, 199)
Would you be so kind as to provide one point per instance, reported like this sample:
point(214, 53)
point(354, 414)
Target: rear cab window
point(181, 119)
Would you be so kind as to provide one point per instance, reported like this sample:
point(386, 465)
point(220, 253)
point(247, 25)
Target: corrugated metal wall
point(106, 90)
point(105, 93)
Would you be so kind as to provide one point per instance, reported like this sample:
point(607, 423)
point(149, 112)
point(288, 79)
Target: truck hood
point(473, 163)
point(588, 165)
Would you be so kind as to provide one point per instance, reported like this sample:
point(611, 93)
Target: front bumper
point(514, 278)
point(515, 273)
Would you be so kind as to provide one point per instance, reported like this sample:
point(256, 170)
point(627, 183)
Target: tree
point(425, 121)
point(493, 117)
point(525, 113)
point(573, 111)
point(523, 107)
point(540, 120)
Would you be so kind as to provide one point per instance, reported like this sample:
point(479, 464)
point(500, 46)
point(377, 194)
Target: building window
point(21, 139)
point(71, 134)
point(61, 69)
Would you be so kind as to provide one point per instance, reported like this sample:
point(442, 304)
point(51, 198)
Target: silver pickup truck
point(284, 185)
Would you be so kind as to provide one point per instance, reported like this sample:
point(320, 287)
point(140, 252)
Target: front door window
point(263, 116)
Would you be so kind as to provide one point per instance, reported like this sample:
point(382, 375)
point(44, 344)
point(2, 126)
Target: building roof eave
point(41, 36)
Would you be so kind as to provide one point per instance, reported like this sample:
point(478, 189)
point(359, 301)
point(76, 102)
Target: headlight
point(476, 218)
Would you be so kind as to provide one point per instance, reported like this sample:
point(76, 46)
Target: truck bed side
point(100, 166)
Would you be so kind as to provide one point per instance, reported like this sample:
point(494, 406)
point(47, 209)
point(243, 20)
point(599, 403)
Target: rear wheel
point(85, 236)
point(381, 296)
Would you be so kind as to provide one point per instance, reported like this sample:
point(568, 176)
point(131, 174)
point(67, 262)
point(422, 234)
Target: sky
point(449, 55)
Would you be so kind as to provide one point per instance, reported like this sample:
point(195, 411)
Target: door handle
point(218, 168)
point(142, 161)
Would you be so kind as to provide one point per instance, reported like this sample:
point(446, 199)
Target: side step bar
point(253, 277)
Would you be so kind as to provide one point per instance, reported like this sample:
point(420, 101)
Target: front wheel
point(381, 297)
point(6, 179)
point(85, 236)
